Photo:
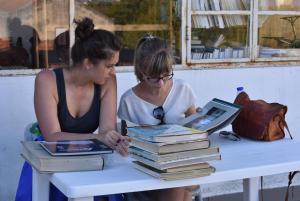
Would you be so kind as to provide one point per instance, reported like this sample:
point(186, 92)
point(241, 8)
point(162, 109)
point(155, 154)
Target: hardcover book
point(42, 161)
point(75, 147)
point(188, 167)
point(173, 156)
point(166, 133)
point(214, 116)
point(176, 163)
point(163, 148)
point(185, 174)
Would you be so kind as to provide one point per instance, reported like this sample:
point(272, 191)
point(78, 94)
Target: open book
point(215, 115)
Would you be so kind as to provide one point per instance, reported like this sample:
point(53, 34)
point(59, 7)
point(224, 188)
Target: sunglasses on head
point(159, 113)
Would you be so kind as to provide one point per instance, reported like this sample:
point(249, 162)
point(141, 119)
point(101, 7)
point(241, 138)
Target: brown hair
point(93, 44)
point(152, 57)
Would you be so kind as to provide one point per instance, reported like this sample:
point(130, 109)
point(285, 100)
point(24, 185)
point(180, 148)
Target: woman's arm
point(45, 104)
point(107, 123)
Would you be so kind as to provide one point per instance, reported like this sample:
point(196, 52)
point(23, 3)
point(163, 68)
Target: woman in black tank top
point(72, 103)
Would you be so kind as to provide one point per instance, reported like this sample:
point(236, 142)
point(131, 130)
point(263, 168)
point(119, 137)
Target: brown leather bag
point(260, 120)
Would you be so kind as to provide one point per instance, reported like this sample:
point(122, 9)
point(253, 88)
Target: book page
point(215, 115)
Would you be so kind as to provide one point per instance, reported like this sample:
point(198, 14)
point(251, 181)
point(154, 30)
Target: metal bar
point(221, 12)
point(294, 13)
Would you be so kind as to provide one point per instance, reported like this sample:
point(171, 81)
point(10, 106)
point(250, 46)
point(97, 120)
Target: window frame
point(252, 61)
point(256, 15)
point(253, 14)
point(188, 32)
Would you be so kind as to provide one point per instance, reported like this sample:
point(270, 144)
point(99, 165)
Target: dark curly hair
point(93, 44)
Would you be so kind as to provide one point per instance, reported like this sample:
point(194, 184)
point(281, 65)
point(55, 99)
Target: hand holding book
point(215, 115)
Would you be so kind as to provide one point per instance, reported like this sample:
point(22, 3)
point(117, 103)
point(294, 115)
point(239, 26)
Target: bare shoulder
point(45, 76)
point(109, 86)
point(45, 84)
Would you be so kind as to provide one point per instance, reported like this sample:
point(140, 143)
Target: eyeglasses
point(229, 135)
point(159, 114)
point(157, 79)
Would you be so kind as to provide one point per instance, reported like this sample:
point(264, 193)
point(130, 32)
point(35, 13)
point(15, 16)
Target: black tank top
point(89, 122)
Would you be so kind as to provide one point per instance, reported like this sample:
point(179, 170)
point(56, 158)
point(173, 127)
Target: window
point(28, 30)
point(278, 27)
point(38, 34)
point(242, 30)
point(132, 19)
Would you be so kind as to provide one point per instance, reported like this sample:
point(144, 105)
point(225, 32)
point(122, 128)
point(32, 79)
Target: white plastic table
point(245, 159)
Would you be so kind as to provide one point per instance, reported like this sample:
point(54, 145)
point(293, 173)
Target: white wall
point(278, 84)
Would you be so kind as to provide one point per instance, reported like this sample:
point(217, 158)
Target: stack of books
point(65, 156)
point(172, 151)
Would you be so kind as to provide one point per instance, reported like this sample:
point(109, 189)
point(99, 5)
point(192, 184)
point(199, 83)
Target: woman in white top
point(157, 99)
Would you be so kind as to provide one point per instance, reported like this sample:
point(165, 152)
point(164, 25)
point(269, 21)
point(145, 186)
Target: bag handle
point(284, 126)
point(291, 176)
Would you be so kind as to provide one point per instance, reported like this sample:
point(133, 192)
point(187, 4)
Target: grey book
point(215, 115)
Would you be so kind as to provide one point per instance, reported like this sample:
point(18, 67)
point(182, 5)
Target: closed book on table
point(176, 163)
point(42, 161)
point(162, 147)
point(173, 156)
point(166, 133)
point(185, 174)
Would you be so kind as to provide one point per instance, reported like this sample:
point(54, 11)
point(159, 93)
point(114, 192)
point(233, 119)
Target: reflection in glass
point(220, 5)
point(220, 37)
point(279, 36)
point(28, 30)
point(132, 19)
point(288, 5)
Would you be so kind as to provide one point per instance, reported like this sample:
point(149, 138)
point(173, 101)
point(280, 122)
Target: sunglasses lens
point(229, 135)
point(159, 114)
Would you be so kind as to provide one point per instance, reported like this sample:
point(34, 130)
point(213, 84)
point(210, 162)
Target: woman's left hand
point(116, 141)
point(122, 145)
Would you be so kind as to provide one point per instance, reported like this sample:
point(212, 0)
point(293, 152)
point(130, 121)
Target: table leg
point(40, 186)
point(81, 199)
point(251, 189)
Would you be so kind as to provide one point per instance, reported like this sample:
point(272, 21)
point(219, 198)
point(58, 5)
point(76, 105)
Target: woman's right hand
point(116, 141)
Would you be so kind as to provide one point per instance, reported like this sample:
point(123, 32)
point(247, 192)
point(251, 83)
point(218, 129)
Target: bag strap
point(287, 128)
point(291, 176)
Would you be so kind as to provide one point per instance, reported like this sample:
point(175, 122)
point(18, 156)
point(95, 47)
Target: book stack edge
point(164, 152)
